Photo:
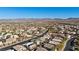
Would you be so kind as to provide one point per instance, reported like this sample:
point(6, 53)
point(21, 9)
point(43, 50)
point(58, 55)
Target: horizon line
point(40, 18)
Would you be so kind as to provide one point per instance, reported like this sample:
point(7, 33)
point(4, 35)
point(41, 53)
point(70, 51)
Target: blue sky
point(39, 12)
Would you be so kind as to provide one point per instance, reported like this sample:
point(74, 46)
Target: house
point(15, 36)
point(1, 44)
point(8, 41)
point(32, 46)
point(42, 39)
point(57, 40)
point(69, 36)
point(54, 42)
point(38, 42)
point(48, 46)
point(78, 32)
point(1, 37)
point(25, 35)
point(20, 48)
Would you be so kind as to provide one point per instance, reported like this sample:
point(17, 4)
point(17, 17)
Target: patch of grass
point(61, 45)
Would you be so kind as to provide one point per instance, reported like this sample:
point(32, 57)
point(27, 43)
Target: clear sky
point(39, 12)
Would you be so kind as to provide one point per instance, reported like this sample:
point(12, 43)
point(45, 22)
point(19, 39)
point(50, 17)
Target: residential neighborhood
point(38, 36)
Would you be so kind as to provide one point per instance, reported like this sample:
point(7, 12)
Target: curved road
point(69, 44)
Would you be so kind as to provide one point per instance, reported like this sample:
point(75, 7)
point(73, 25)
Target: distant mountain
point(40, 19)
point(58, 19)
point(73, 18)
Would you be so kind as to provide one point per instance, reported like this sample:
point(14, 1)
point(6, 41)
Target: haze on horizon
point(38, 12)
